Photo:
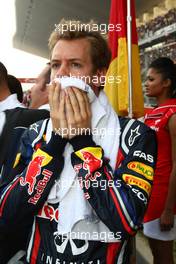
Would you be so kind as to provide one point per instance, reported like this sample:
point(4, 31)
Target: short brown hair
point(70, 30)
point(3, 73)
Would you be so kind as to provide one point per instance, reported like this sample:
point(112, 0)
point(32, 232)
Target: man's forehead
point(73, 48)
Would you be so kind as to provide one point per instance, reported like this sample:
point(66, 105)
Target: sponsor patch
point(96, 152)
point(140, 154)
point(33, 170)
point(132, 180)
point(47, 158)
point(40, 159)
point(141, 168)
point(91, 157)
point(41, 185)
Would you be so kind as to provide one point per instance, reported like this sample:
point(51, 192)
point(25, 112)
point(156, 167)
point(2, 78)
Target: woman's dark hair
point(167, 69)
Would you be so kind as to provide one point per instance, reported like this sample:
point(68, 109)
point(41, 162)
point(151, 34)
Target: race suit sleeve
point(119, 198)
point(27, 192)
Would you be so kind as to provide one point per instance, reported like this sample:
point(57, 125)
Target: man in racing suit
point(84, 176)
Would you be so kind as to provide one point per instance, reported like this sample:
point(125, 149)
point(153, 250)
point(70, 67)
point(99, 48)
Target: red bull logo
point(91, 163)
point(33, 170)
point(41, 185)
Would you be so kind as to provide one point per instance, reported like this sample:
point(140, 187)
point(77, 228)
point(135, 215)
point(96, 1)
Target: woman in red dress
point(160, 218)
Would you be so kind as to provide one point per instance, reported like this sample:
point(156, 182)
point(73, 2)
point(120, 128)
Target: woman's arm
point(167, 217)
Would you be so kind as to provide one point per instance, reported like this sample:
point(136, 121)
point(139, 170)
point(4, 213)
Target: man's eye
point(76, 65)
point(55, 65)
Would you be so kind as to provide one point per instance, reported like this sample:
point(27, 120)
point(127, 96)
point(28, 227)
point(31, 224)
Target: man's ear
point(99, 77)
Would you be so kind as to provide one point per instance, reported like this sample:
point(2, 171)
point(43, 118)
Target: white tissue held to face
point(78, 83)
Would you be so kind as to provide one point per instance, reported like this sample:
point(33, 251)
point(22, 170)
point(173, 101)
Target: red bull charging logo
point(33, 170)
point(91, 162)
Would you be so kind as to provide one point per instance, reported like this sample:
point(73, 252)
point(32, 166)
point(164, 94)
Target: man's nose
point(63, 71)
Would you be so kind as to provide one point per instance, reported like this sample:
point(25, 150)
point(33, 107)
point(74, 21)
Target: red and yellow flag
point(118, 89)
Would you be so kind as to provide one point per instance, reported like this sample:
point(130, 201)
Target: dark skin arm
point(167, 217)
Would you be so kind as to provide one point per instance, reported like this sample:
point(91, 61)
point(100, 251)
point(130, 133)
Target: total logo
point(141, 168)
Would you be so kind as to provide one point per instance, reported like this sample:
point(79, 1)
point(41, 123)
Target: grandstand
point(157, 36)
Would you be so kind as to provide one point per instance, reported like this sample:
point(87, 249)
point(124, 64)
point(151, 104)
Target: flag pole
point(130, 99)
point(129, 41)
